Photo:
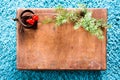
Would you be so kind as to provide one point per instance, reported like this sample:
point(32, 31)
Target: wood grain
point(60, 48)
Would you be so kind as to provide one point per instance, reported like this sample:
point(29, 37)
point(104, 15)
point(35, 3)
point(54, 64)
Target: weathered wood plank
point(61, 48)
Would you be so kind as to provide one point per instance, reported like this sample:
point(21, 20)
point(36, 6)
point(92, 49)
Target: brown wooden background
point(61, 48)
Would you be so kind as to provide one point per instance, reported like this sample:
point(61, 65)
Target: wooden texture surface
point(61, 48)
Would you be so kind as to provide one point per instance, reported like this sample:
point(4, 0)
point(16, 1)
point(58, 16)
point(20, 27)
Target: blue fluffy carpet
point(8, 69)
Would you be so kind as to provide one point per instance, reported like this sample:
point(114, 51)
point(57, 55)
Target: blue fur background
point(8, 69)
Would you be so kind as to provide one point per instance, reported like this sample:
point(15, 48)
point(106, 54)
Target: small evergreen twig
point(80, 19)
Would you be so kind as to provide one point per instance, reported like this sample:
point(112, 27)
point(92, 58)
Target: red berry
point(30, 21)
point(35, 17)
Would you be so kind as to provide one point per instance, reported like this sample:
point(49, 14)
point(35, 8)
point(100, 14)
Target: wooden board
point(60, 49)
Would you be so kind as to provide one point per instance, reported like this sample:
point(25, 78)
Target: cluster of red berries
point(32, 20)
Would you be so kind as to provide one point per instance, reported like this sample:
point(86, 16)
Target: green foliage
point(80, 19)
point(64, 16)
point(91, 25)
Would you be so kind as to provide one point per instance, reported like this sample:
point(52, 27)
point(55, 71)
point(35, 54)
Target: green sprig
point(80, 19)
